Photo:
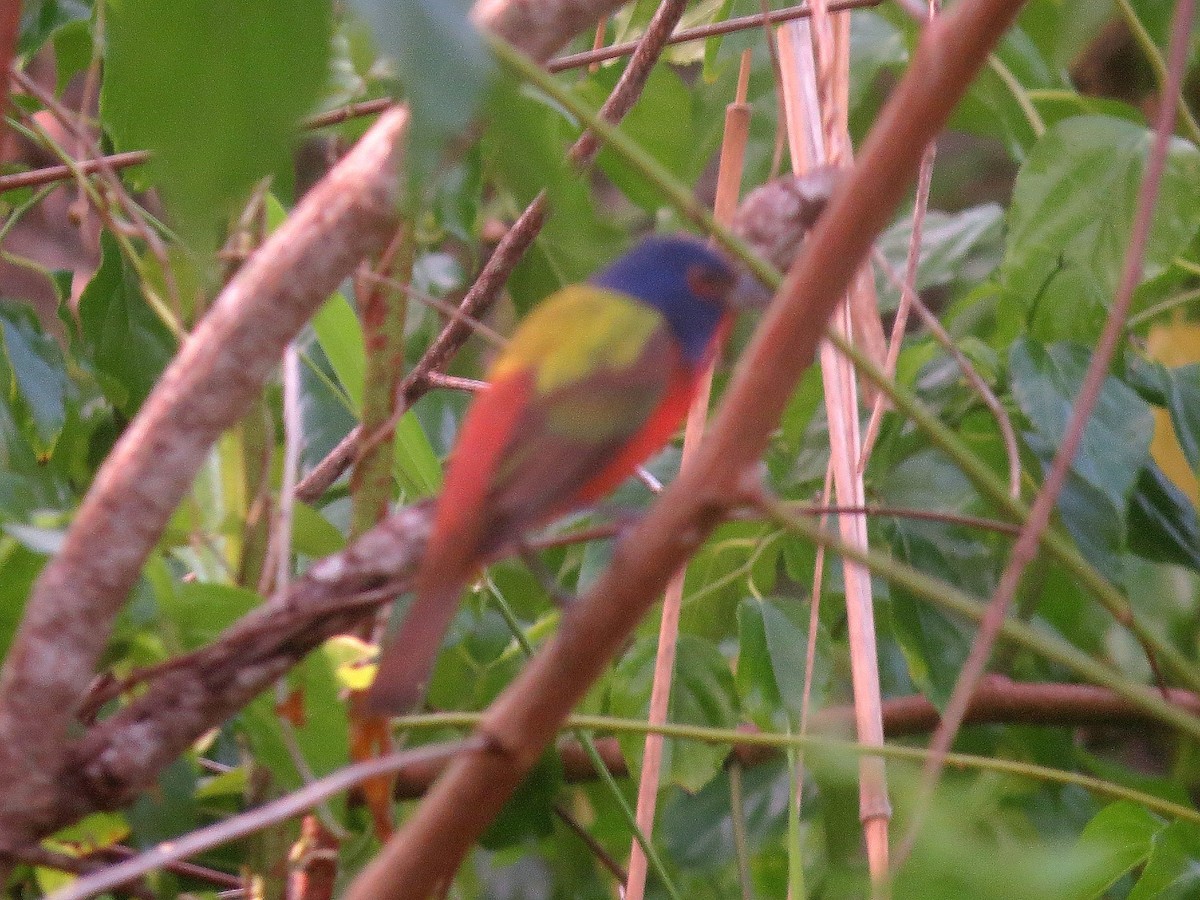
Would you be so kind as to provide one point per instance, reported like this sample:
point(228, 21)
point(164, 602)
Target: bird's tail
point(407, 659)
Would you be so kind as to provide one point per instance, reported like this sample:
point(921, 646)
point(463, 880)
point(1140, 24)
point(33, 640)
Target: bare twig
point(703, 32)
point(1026, 545)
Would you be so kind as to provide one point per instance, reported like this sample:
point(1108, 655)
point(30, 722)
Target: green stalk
point(468, 721)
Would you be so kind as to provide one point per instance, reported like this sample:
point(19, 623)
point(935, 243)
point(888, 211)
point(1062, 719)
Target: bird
point(596, 378)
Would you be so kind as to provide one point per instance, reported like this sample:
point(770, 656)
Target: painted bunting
point(596, 378)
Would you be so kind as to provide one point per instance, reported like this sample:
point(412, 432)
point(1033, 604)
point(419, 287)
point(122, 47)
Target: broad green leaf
point(201, 611)
point(1173, 870)
point(661, 124)
point(524, 151)
point(128, 343)
point(96, 832)
point(1183, 402)
point(1069, 223)
point(955, 247)
point(322, 738)
point(417, 467)
point(442, 64)
point(702, 693)
point(19, 567)
point(697, 828)
point(215, 89)
point(1122, 836)
point(772, 647)
point(992, 109)
point(39, 379)
point(1114, 449)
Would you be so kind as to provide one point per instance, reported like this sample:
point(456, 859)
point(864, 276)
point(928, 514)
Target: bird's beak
point(748, 292)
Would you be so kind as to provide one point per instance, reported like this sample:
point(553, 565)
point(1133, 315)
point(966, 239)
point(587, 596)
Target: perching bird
point(596, 379)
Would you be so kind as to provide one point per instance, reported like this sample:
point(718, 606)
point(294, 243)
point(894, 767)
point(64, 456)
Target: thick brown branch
point(527, 716)
point(210, 385)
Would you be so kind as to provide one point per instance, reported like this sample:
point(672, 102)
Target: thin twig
point(702, 32)
point(297, 802)
point(1043, 507)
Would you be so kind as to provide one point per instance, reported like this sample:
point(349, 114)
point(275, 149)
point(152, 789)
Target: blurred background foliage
point(1033, 195)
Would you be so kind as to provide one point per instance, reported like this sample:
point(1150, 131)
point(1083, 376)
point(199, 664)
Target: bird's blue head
point(684, 279)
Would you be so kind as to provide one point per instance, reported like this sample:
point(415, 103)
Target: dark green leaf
point(772, 647)
point(1162, 521)
point(955, 247)
point(214, 88)
point(702, 693)
point(39, 377)
point(1115, 445)
point(1183, 402)
point(129, 344)
point(529, 813)
point(697, 829)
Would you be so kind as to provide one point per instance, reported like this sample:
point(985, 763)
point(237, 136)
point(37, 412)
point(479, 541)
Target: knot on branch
point(774, 218)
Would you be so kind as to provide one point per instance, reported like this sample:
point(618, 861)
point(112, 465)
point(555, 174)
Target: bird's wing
point(598, 365)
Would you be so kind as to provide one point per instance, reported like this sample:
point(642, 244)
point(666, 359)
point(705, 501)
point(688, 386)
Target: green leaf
point(955, 247)
point(661, 124)
point(524, 151)
point(1173, 870)
point(201, 611)
point(215, 89)
point(1114, 449)
point(702, 693)
point(129, 344)
point(1183, 402)
point(340, 335)
point(1070, 219)
point(417, 467)
point(39, 377)
point(313, 534)
point(990, 107)
point(772, 646)
point(42, 18)
point(697, 828)
point(1121, 835)
point(1162, 521)
point(441, 62)
point(528, 815)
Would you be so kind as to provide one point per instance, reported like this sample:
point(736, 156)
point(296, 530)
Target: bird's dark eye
point(709, 283)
